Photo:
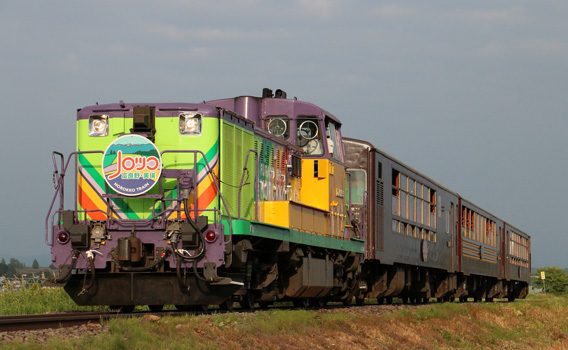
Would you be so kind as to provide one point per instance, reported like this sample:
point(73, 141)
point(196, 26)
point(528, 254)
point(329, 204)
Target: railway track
point(69, 319)
point(59, 320)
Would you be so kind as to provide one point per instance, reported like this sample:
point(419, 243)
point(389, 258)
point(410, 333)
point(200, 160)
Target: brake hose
point(184, 253)
point(143, 268)
point(60, 279)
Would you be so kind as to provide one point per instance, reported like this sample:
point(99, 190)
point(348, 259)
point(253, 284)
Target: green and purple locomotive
point(209, 203)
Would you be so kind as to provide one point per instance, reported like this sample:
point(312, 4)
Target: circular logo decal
point(132, 165)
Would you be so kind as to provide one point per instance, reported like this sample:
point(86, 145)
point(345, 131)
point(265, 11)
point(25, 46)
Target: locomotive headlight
point(98, 125)
point(190, 124)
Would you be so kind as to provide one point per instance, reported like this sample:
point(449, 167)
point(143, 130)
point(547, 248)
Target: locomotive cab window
point(333, 138)
point(278, 126)
point(309, 136)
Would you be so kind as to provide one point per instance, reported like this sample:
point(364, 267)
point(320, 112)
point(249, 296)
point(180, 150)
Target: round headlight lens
point(191, 124)
point(98, 125)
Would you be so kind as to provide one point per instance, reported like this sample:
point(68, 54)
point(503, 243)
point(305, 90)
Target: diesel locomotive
point(257, 200)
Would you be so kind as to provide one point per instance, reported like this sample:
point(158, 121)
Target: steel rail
point(58, 320)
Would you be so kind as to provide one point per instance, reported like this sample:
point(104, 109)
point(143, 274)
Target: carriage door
point(379, 208)
point(452, 224)
point(505, 252)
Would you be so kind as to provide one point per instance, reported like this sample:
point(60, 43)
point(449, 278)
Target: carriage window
point(278, 126)
point(309, 137)
point(415, 203)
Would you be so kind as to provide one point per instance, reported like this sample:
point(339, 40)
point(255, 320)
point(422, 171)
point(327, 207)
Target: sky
point(470, 93)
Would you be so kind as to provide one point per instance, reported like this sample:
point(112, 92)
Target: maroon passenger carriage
point(424, 240)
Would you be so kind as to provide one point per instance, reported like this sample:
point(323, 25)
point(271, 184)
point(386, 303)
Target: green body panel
point(235, 145)
point(167, 137)
point(259, 229)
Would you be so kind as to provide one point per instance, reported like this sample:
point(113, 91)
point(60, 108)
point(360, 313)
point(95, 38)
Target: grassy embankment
point(539, 322)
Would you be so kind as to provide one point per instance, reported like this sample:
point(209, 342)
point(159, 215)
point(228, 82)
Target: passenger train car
point(258, 200)
point(424, 240)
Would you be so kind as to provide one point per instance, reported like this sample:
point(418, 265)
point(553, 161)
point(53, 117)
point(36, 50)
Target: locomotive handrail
point(60, 186)
point(58, 176)
point(364, 216)
point(349, 211)
point(255, 183)
point(212, 173)
point(166, 212)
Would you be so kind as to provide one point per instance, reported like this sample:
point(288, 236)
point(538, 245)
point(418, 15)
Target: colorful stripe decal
point(91, 187)
point(91, 191)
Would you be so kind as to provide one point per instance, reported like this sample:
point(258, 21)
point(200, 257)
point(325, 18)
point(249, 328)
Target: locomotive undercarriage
point(284, 271)
point(418, 284)
point(257, 271)
point(144, 275)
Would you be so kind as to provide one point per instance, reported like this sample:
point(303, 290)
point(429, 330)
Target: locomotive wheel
point(124, 309)
point(199, 308)
point(264, 304)
point(182, 307)
point(317, 302)
point(156, 308)
point(301, 303)
point(248, 301)
point(227, 305)
point(359, 301)
point(389, 300)
point(380, 301)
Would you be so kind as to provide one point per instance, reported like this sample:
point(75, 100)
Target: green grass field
point(538, 322)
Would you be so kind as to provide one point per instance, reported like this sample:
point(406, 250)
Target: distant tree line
point(15, 264)
point(556, 280)
point(9, 269)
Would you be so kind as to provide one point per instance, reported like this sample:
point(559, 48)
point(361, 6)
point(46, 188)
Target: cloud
point(536, 47)
point(500, 17)
point(322, 9)
point(215, 34)
point(396, 12)
point(70, 63)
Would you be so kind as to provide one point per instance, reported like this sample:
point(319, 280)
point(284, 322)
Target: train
point(257, 200)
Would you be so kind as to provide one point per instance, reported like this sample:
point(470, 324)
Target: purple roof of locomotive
point(252, 107)
point(257, 108)
point(162, 109)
